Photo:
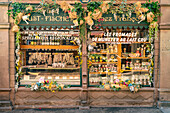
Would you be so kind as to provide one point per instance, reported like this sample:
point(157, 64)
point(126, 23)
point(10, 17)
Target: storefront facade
point(51, 50)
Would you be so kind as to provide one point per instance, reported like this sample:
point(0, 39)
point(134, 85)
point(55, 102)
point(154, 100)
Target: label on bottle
point(49, 77)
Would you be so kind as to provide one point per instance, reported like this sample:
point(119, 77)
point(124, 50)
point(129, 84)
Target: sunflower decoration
point(15, 28)
point(144, 10)
point(138, 5)
point(29, 8)
point(97, 14)
point(72, 14)
point(64, 6)
point(18, 18)
point(150, 17)
point(76, 22)
point(104, 6)
point(89, 20)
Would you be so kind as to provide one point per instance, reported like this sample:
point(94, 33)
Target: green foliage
point(153, 7)
point(47, 6)
point(16, 8)
point(116, 89)
point(82, 32)
point(80, 11)
point(93, 5)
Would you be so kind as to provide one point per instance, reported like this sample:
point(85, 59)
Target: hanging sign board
point(50, 17)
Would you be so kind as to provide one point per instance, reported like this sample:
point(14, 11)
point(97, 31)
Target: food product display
point(50, 55)
point(119, 58)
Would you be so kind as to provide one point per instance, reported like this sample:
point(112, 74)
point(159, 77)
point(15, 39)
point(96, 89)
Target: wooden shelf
point(65, 47)
point(101, 53)
point(104, 62)
point(119, 42)
point(135, 58)
point(57, 68)
point(139, 42)
point(135, 70)
point(102, 72)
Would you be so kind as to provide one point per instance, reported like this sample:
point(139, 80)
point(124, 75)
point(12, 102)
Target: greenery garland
point(148, 11)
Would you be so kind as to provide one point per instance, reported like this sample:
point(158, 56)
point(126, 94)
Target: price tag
point(57, 77)
point(49, 77)
point(26, 77)
point(71, 77)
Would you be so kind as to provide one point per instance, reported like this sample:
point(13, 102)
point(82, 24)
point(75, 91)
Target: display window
point(50, 55)
point(119, 54)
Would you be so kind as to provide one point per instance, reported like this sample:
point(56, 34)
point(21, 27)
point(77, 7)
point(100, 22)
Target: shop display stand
point(120, 73)
point(32, 73)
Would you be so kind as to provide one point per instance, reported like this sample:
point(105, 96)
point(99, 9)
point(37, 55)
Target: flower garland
point(18, 61)
point(133, 87)
point(43, 85)
point(145, 12)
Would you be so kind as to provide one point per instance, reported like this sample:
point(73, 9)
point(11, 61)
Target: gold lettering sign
point(49, 18)
point(58, 18)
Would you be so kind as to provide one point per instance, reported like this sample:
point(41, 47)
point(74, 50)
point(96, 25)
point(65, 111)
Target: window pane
point(50, 55)
point(119, 54)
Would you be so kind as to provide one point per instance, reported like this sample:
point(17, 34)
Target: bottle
point(131, 66)
point(106, 68)
point(45, 43)
point(54, 40)
point(127, 66)
point(124, 50)
point(51, 40)
point(32, 41)
point(48, 40)
point(35, 40)
point(41, 40)
point(60, 42)
point(28, 40)
point(101, 70)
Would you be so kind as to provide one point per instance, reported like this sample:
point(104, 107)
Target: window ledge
point(65, 89)
point(89, 89)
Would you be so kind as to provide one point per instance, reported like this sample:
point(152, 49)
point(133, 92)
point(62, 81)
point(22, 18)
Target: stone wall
point(164, 90)
point(27, 99)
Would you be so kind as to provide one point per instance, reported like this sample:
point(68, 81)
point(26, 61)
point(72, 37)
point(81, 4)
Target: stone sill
point(164, 90)
point(88, 89)
point(65, 89)
point(5, 89)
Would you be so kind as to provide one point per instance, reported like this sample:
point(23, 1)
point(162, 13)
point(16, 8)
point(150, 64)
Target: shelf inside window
point(104, 63)
point(135, 70)
point(135, 57)
point(64, 47)
point(101, 53)
point(102, 72)
point(53, 68)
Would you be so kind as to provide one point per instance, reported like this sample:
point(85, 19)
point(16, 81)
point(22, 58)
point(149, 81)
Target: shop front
point(70, 56)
